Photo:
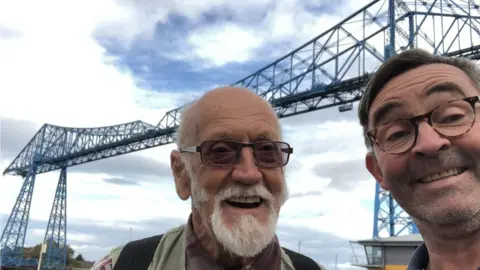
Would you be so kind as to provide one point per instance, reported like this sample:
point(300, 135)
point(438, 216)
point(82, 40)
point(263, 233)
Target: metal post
point(391, 21)
point(336, 261)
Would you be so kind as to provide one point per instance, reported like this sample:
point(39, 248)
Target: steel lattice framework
point(55, 240)
point(329, 70)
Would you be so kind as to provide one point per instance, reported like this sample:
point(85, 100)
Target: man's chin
point(244, 235)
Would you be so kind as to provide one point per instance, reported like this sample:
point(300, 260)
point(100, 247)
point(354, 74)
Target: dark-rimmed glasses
point(227, 153)
point(451, 119)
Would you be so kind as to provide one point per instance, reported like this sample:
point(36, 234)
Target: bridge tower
point(388, 215)
point(12, 241)
point(55, 241)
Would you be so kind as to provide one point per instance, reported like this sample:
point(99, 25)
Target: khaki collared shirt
point(171, 255)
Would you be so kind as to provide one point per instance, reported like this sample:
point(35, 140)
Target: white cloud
point(55, 71)
point(334, 209)
point(287, 24)
point(80, 237)
point(131, 19)
point(72, 235)
point(225, 44)
point(338, 210)
point(282, 25)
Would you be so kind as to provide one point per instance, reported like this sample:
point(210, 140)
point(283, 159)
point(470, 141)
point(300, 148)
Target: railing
point(366, 261)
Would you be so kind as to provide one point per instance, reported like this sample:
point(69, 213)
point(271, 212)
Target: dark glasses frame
point(198, 149)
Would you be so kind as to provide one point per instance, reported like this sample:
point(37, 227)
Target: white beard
point(247, 237)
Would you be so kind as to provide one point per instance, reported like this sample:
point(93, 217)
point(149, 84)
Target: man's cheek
point(395, 167)
point(399, 182)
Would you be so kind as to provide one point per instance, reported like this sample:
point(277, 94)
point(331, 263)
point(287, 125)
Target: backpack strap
point(300, 261)
point(138, 254)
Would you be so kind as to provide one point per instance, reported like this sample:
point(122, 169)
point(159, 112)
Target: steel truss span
point(328, 71)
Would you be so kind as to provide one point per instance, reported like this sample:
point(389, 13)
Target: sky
point(98, 63)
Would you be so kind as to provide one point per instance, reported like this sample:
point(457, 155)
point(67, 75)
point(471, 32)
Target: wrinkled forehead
point(420, 89)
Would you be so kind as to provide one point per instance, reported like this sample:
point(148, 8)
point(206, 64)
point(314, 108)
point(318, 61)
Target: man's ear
point(182, 182)
point(374, 169)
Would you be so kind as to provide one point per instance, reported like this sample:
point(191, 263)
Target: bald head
point(222, 109)
point(232, 96)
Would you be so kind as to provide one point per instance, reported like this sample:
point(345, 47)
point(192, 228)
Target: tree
point(32, 252)
point(79, 258)
point(78, 261)
point(70, 254)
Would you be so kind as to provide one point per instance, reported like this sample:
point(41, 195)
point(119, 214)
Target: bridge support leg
point(56, 234)
point(13, 236)
point(389, 218)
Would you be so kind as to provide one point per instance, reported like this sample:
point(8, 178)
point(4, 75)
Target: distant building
point(391, 253)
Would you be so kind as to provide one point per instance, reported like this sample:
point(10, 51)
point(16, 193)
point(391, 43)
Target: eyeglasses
point(450, 119)
point(226, 153)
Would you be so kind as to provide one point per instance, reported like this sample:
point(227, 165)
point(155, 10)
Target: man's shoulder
point(108, 261)
point(301, 261)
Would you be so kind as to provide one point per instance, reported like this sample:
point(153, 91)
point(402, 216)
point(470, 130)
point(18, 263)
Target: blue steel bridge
point(330, 70)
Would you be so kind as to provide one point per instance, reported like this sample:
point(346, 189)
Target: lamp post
point(1, 251)
point(2, 246)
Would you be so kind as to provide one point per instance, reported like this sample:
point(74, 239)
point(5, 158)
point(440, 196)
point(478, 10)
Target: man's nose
point(429, 142)
point(246, 171)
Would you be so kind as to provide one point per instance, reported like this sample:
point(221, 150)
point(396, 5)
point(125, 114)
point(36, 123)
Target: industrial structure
point(391, 253)
point(329, 70)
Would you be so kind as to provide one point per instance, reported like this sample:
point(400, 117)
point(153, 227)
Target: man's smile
point(245, 202)
point(441, 175)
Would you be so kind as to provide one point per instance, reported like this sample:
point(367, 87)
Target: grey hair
point(399, 64)
point(183, 133)
point(183, 137)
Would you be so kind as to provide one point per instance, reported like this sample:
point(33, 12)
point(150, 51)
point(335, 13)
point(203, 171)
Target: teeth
point(255, 199)
point(437, 176)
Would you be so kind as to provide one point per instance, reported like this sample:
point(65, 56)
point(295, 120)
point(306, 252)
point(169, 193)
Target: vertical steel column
point(56, 233)
point(13, 236)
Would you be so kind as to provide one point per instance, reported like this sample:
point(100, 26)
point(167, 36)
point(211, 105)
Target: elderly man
point(230, 161)
point(420, 115)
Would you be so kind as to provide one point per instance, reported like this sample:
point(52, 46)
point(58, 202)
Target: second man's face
point(438, 179)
